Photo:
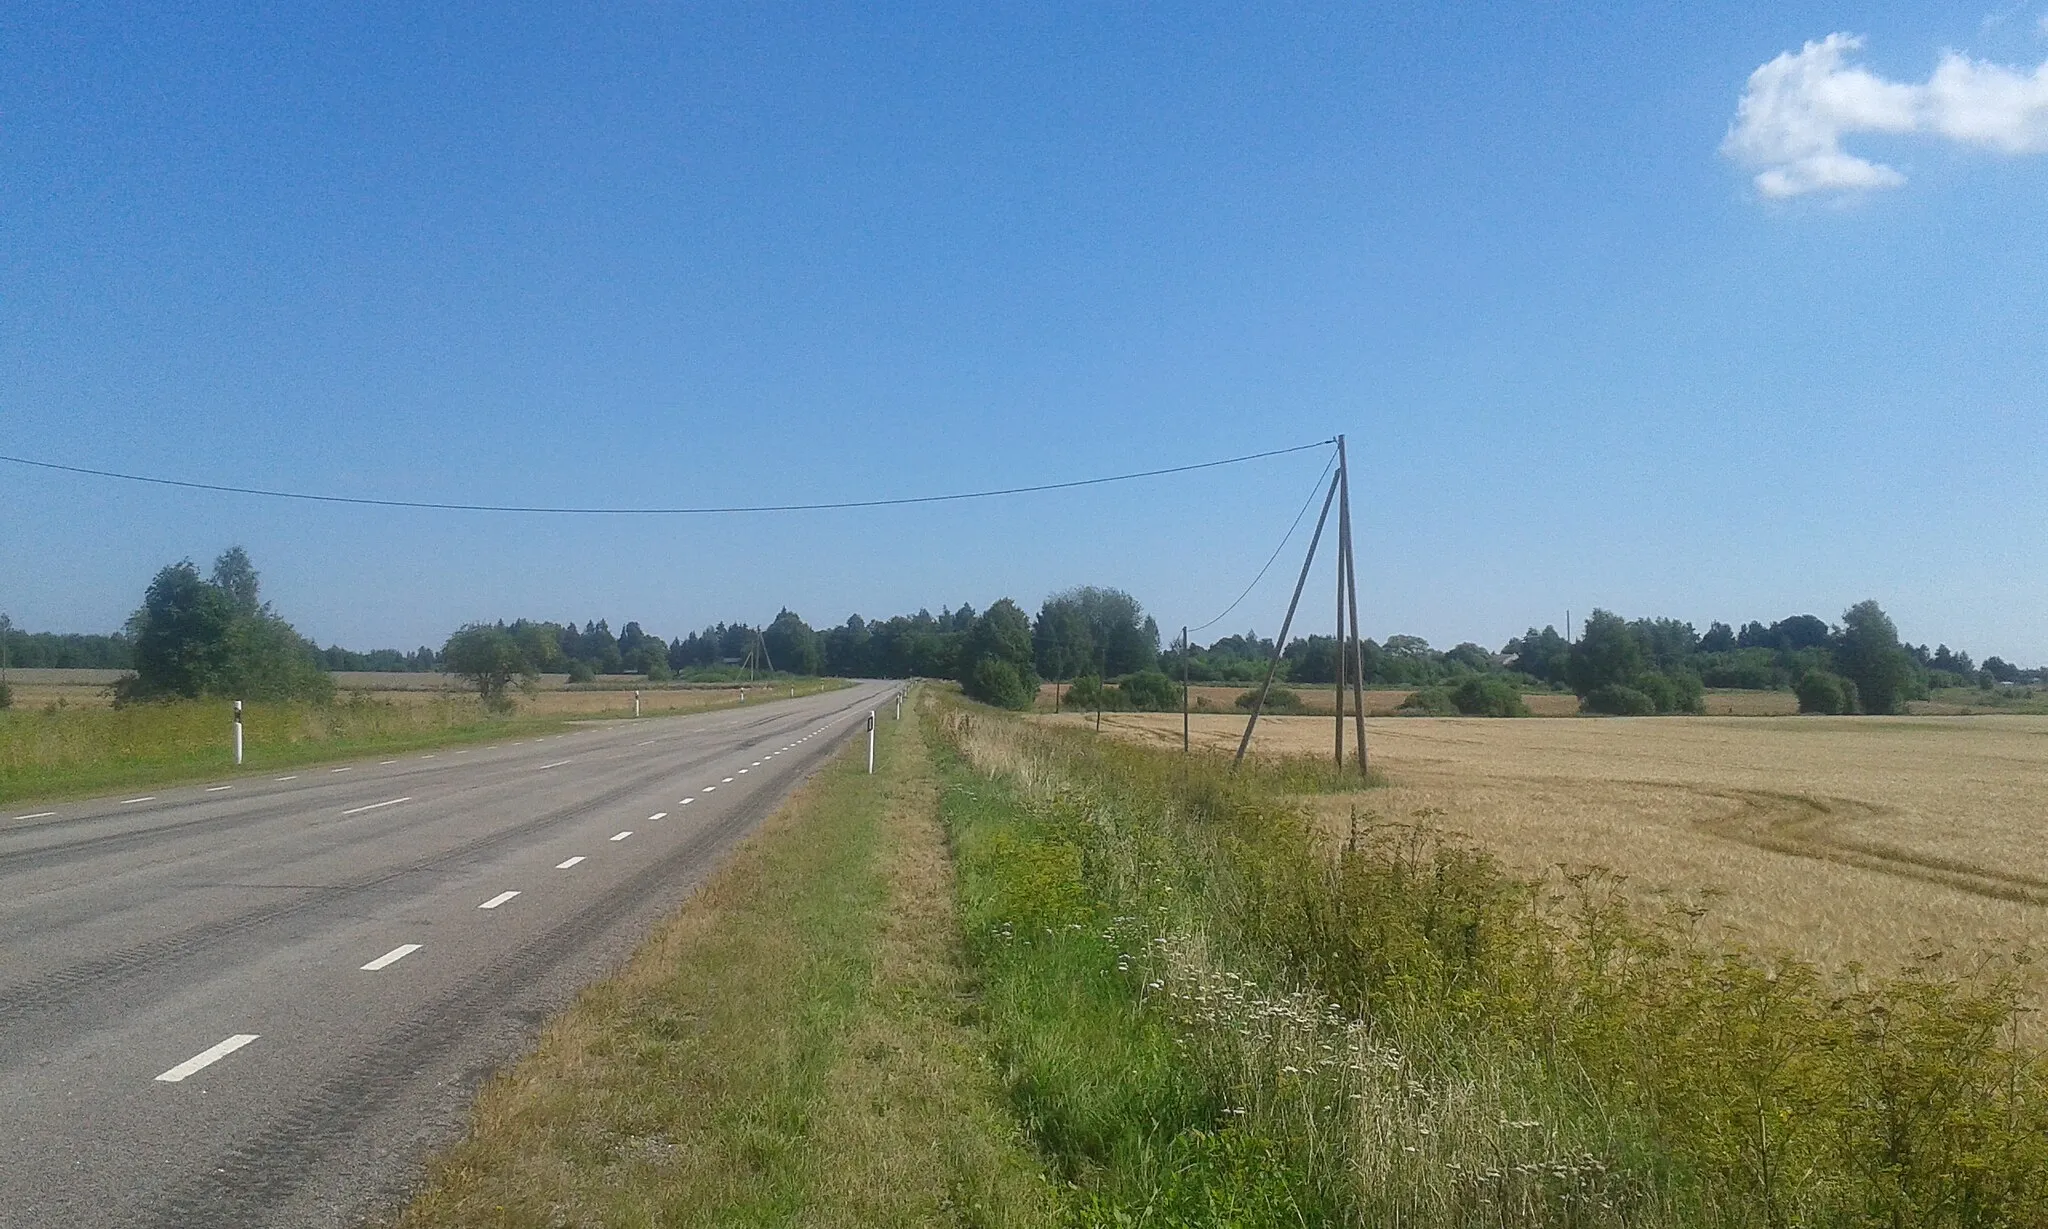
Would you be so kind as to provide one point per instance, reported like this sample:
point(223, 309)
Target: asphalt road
point(261, 1001)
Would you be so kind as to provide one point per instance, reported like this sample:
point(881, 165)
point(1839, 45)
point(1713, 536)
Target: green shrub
point(6, 696)
point(1482, 695)
point(995, 681)
point(1677, 692)
point(1281, 700)
point(1616, 700)
point(1088, 693)
point(1151, 691)
point(581, 671)
point(1429, 702)
point(1822, 691)
point(658, 671)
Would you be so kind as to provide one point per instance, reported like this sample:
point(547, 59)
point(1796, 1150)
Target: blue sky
point(1585, 352)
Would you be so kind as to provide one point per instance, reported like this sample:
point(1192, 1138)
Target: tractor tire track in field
point(1807, 826)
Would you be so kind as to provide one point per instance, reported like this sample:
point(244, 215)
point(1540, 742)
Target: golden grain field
point(1864, 839)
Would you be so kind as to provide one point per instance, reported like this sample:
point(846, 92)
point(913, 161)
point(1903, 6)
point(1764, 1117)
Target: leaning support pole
point(1344, 542)
point(1280, 642)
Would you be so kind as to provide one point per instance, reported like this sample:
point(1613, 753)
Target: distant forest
point(1095, 637)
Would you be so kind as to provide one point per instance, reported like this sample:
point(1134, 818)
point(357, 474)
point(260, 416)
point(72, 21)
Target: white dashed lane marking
point(727, 780)
point(207, 1058)
point(37, 815)
point(709, 788)
point(657, 815)
point(340, 769)
point(556, 764)
point(391, 957)
point(566, 864)
point(623, 835)
point(215, 789)
point(144, 798)
point(497, 900)
point(377, 806)
point(293, 777)
point(685, 802)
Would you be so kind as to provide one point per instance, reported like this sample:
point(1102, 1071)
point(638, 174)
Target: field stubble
point(1873, 841)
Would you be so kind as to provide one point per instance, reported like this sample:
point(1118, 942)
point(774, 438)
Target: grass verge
point(790, 1048)
point(68, 752)
point(1204, 1014)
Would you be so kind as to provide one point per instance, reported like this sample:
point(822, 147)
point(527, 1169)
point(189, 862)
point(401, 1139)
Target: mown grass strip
point(791, 1048)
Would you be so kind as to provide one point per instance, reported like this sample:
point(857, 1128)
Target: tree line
point(212, 634)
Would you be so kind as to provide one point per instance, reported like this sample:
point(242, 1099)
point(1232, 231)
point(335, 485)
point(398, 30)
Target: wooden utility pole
point(1351, 586)
point(1338, 673)
point(1184, 651)
point(1280, 642)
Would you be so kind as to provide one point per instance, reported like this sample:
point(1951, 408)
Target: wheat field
point(1870, 840)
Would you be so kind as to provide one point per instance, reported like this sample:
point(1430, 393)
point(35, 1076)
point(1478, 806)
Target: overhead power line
point(1285, 538)
point(430, 505)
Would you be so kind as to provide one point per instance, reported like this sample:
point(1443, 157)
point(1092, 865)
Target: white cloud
point(1797, 108)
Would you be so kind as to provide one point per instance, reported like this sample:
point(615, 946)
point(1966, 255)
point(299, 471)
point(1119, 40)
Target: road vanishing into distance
point(262, 1001)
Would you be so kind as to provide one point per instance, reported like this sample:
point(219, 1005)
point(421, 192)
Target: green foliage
point(1678, 691)
point(996, 657)
point(1619, 700)
point(6, 696)
point(1429, 702)
point(1151, 691)
point(1278, 700)
point(1868, 654)
point(580, 671)
point(1087, 693)
point(1607, 655)
point(996, 681)
point(1487, 696)
point(792, 645)
point(214, 637)
point(1822, 692)
point(488, 658)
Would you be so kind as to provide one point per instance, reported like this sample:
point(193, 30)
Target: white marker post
point(636, 701)
point(899, 706)
point(871, 742)
point(238, 733)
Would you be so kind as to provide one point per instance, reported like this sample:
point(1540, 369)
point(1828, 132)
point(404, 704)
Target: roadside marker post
point(899, 706)
point(636, 701)
point(238, 733)
point(871, 742)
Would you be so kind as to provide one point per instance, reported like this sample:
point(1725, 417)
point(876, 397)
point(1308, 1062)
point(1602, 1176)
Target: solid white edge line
point(375, 806)
point(497, 900)
point(623, 835)
point(207, 1057)
point(565, 865)
point(391, 957)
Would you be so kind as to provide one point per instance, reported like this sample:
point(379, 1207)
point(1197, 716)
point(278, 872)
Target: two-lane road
point(259, 1001)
